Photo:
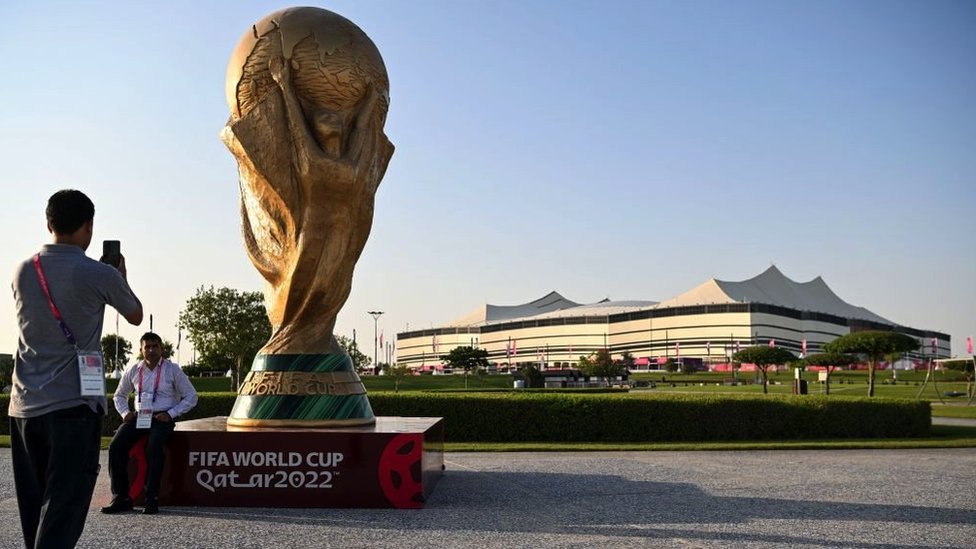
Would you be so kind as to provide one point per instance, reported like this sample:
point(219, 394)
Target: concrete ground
point(867, 499)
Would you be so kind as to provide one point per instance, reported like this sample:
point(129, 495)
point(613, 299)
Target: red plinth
point(394, 463)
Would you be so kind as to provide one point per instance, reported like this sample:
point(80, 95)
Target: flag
point(381, 338)
point(934, 344)
point(179, 337)
point(433, 342)
point(969, 345)
point(803, 346)
point(772, 343)
point(677, 349)
point(738, 347)
point(514, 347)
point(708, 347)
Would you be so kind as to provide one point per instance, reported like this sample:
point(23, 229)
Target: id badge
point(91, 372)
point(144, 419)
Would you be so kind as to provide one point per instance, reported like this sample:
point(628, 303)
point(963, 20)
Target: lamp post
point(376, 317)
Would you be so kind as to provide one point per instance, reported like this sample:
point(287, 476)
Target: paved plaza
point(908, 499)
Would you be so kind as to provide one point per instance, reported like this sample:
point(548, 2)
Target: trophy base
point(394, 463)
point(313, 390)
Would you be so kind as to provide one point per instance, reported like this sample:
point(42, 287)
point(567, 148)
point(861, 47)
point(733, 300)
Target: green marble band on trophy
point(301, 390)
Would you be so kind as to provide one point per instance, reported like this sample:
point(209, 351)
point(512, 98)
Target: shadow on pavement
point(602, 505)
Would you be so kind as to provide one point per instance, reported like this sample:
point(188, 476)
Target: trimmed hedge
point(208, 405)
point(524, 417)
point(201, 384)
point(573, 417)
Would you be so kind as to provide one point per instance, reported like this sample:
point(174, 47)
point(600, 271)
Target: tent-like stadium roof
point(770, 287)
point(487, 314)
point(602, 308)
point(773, 287)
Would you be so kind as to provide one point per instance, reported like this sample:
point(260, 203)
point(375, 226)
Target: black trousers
point(118, 456)
point(55, 459)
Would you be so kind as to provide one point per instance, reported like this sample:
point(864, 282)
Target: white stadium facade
point(703, 325)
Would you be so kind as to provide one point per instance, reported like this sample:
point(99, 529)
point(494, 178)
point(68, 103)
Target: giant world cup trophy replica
point(308, 94)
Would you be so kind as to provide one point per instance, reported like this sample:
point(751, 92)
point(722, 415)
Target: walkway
point(868, 499)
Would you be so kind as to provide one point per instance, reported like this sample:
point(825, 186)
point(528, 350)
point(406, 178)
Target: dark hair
point(68, 210)
point(150, 336)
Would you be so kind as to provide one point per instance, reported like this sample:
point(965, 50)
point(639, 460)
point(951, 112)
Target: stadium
point(703, 326)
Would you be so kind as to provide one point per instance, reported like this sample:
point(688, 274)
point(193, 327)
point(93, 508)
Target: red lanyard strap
point(159, 375)
point(50, 302)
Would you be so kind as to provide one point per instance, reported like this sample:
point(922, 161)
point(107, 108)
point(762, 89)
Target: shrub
point(571, 417)
point(521, 416)
point(214, 384)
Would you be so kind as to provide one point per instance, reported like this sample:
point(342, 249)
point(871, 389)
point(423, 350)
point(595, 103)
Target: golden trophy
point(308, 94)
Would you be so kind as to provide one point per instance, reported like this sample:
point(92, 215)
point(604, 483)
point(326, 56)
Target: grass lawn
point(954, 410)
point(953, 406)
point(438, 383)
point(842, 383)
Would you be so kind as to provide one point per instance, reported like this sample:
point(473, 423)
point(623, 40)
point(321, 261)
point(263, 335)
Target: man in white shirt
point(163, 393)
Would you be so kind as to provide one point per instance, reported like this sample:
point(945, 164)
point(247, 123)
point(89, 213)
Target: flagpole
point(969, 350)
point(650, 338)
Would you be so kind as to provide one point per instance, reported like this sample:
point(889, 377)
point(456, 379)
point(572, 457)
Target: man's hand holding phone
point(112, 255)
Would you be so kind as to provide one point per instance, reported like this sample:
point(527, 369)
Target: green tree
point(116, 350)
point(670, 366)
point(6, 370)
point(627, 361)
point(399, 371)
point(601, 365)
point(891, 359)
point(167, 350)
point(829, 361)
point(360, 361)
point(873, 345)
point(226, 326)
point(533, 377)
point(467, 358)
point(763, 357)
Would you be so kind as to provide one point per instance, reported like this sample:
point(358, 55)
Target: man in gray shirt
point(55, 430)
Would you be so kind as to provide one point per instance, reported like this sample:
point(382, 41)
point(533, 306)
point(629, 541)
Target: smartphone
point(111, 252)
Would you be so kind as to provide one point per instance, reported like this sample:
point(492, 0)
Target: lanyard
point(54, 308)
point(159, 375)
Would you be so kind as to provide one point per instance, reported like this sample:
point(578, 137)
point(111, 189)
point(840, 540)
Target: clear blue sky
point(629, 150)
